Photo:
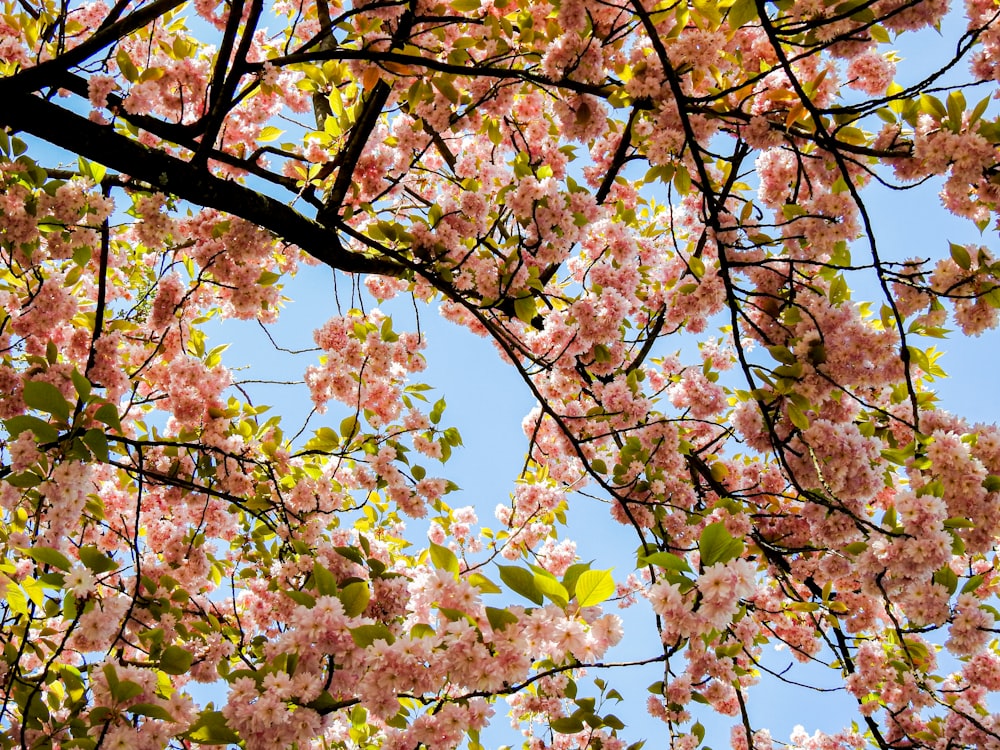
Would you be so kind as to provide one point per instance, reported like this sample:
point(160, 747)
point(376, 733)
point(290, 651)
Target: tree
point(585, 182)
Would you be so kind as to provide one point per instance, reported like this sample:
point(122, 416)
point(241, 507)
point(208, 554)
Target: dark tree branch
point(170, 174)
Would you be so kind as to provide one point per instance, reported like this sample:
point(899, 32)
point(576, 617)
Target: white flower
point(80, 581)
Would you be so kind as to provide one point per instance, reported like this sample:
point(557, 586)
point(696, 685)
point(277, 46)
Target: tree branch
point(100, 143)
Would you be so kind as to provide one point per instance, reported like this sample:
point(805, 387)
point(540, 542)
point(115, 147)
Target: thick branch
point(224, 85)
point(100, 143)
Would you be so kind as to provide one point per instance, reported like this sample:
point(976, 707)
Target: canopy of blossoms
point(587, 183)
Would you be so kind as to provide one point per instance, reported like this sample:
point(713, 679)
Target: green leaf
point(552, 589)
point(355, 597)
point(211, 729)
point(269, 133)
point(326, 584)
point(682, 180)
point(97, 441)
point(782, 354)
point(667, 561)
point(697, 266)
point(741, 13)
point(978, 111)
point(444, 559)
point(268, 278)
point(957, 544)
point(15, 599)
point(349, 427)
point(956, 108)
point(96, 560)
point(398, 721)
point(365, 635)
point(421, 630)
point(81, 384)
point(386, 333)
point(594, 587)
point(35, 591)
point(567, 725)
point(108, 414)
point(931, 105)
point(484, 584)
point(797, 417)
point(151, 74)
point(614, 722)
point(493, 131)
point(879, 34)
point(43, 431)
point(958, 522)
point(23, 480)
point(91, 169)
point(110, 675)
point(570, 691)
point(437, 411)
point(698, 731)
point(36, 712)
point(151, 710)
point(839, 291)
point(572, 575)
point(500, 618)
point(125, 65)
point(960, 255)
point(176, 660)
point(709, 10)
point(301, 597)
point(524, 309)
point(717, 545)
point(972, 584)
point(521, 582)
point(126, 690)
point(49, 556)
point(445, 84)
point(46, 397)
point(351, 553)
point(947, 578)
point(454, 615)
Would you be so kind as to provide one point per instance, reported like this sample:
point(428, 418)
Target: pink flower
point(870, 72)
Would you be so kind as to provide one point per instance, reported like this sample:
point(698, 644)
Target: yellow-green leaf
point(355, 597)
point(552, 589)
point(484, 584)
point(521, 581)
point(524, 308)
point(46, 397)
point(176, 660)
point(49, 556)
point(594, 587)
point(211, 729)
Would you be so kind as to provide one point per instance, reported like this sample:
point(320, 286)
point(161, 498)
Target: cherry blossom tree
point(587, 183)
